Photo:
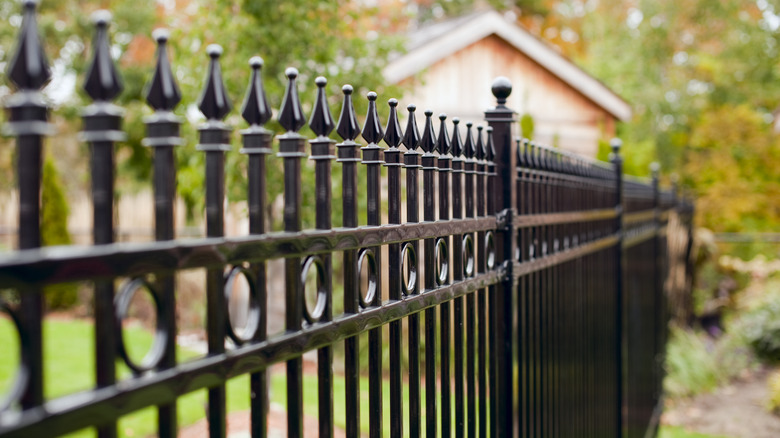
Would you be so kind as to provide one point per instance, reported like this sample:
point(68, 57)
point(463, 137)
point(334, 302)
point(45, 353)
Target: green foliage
point(697, 364)
point(774, 391)
point(54, 231)
point(679, 432)
point(527, 126)
point(732, 163)
point(696, 73)
point(761, 324)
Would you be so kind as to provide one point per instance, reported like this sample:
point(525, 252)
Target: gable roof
point(433, 43)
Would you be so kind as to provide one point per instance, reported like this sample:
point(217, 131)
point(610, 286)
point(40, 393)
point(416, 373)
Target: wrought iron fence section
point(529, 301)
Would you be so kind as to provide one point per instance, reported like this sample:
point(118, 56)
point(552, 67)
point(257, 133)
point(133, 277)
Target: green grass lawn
point(679, 432)
point(69, 368)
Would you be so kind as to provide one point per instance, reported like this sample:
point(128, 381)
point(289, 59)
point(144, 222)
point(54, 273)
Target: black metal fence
point(535, 278)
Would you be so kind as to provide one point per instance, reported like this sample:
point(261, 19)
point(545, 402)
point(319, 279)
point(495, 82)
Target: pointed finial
point(443, 142)
point(542, 156)
point(29, 69)
point(490, 149)
point(372, 130)
point(519, 150)
point(163, 93)
point(103, 82)
point(470, 148)
point(393, 133)
point(537, 154)
point(255, 109)
point(480, 145)
point(428, 141)
point(411, 136)
point(291, 114)
point(348, 126)
point(214, 102)
point(456, 147)
point(616, 144)
point(321, 121)
point(501, 88)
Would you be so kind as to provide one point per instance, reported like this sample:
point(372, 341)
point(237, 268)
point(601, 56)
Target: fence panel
point(530, 298)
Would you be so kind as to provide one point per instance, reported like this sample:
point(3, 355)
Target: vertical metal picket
point(348, 150)
point(291, 150)
point(28, 121)
point(428, 144)
point(393, 137)
point(162, 134)
point(322, 151)
point(442, 263)
point(373, 160)
point(257, 145)
point(102, 127)
point(412, 165)
point(215, 141)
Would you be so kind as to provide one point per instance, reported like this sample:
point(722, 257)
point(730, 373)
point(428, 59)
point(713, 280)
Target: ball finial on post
point(502, 88)
point(616, 144)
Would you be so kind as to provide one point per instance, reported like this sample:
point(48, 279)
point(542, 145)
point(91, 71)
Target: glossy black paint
point(542, 271)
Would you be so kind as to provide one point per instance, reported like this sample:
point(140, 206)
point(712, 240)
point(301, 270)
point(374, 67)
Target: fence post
point(502, 119)
point(658, 284)
point(617, 161)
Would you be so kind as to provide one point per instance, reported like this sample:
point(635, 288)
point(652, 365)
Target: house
point(449, 67)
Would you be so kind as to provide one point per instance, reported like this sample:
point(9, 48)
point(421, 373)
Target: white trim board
point(489, 23)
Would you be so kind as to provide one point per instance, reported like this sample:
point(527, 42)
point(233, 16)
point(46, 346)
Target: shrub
point(774, 391)
point(54, 231)
point(761, 325)
point(696, 363)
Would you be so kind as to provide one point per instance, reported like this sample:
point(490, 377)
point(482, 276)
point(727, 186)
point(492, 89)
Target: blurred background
point(691, 84)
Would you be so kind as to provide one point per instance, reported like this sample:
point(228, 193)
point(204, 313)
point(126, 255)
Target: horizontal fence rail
point(498, 287)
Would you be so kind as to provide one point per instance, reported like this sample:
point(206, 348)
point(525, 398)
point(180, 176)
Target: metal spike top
point(542, 151)
point(469, 149)
point(428, 141)
point(372, 130)
point(443, 142)
point(103, 82)
point(393, 134)
point(214, 102)
point(479, 147)
point(291, 114)
point(348, 126)
point(163, 93)
point(29, 69)
point(527, 145)
point(490, 149)
point(537, 153)
point(456, 146)
point(519, 151)
point(321, 121)
point(255, 109)
point(412, 136)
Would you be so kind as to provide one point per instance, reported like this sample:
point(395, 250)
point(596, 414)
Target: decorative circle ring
point(441, 258)
point(490, 250)
point(255, 312)
point(367, 254)
point(121, 307)
point(322, 293)
point(409, 258)
point(468, 256)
